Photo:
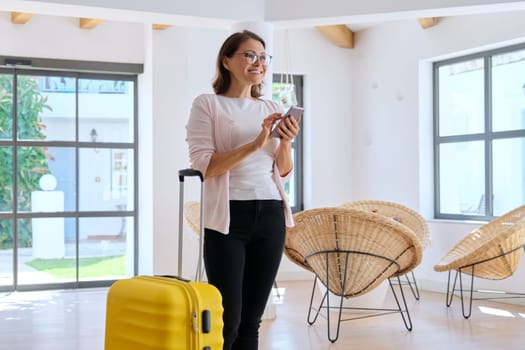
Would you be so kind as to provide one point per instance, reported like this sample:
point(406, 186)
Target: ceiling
point(341, 35)
point(337, 20)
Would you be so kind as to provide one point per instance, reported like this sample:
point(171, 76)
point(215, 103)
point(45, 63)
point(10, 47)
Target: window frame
point(77, 70)
point(487, 136)
point(298, 81)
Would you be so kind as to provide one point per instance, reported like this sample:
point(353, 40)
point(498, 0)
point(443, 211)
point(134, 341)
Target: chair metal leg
point(276, 287)
point(340, 308)
point(309, 320)
point(466, 293)
point(328, 307)
point(406, 318)
point(339, 313)
point(333, 329)
point(451, 289)
point(328, 318)
point(413, 285)
point(411, 282)
point(466, 315)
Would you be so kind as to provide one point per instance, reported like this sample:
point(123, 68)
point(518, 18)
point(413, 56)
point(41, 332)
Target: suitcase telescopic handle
point(189, 172)
point(182, 174)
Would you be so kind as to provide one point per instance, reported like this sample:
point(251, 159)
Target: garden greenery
point(32, 161)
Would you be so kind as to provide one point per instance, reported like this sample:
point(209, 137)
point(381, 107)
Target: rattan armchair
point(351, 252)
point(491, 252)
point(403, 215)
point(192, 217)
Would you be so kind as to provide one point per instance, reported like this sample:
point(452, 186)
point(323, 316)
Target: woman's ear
point(226, 62)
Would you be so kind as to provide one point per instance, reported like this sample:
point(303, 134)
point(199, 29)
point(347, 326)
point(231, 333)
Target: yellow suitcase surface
point(161, 313)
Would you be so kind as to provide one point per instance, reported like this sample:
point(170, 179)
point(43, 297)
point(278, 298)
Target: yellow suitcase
point(161, 313)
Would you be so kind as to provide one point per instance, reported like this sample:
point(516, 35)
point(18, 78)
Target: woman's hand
point(224, 161)
point(266, 125)
point(288, 129)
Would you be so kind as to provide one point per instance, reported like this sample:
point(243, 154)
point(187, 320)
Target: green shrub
point(32, 161)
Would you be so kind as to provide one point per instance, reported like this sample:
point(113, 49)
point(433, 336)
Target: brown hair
point(223, 79)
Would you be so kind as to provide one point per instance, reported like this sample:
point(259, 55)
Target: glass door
point(7, 239)
point(106, 178)
point(67, 179)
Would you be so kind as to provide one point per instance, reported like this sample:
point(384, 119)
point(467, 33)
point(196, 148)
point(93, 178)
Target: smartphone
point(293, 112)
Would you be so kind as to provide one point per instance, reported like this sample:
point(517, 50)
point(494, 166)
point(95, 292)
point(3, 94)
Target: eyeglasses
point(252, 58)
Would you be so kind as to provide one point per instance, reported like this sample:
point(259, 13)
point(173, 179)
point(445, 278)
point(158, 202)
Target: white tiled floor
point(58, 320)
point(75, 320)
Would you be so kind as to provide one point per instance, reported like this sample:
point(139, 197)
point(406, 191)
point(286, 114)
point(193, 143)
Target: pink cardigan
point(208, 132)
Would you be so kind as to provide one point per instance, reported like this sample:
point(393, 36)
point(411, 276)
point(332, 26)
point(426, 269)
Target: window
point(479, 148)
point(68, 153)
point(289, 91)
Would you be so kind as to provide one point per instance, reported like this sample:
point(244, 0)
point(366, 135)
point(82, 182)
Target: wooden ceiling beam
point(20, 17)
point(427, 22)
point(89, 23)
point(339, 34)
point(157, 26)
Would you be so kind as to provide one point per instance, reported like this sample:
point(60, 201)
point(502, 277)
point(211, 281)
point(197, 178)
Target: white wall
point(392, 127)
point(327, 124)
point(364, 126)
point(184, 66)
point(328, 101)
point(61, 37)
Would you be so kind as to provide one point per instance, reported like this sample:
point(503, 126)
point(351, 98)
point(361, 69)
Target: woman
point(245, 210)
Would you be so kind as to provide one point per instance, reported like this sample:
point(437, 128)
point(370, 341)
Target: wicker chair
point(404, 215)
point(351, 252)
point(192, 216)
point(491, 252)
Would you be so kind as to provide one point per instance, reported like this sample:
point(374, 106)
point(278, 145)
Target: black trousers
point(243, 265)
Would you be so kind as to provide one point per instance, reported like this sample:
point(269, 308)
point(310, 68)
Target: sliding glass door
point(67, 179)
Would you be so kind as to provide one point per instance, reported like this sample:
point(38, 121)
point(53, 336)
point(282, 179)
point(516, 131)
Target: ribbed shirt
point(220, 124)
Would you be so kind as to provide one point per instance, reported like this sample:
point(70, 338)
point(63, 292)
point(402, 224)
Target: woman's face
point(241, 66)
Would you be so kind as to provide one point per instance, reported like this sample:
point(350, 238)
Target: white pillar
point(48, 233)
point(265, 31)
point(146, 156)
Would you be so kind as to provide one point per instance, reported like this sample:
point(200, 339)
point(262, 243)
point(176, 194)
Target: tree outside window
point(32, 161)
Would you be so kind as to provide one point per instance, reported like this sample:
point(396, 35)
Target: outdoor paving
point(29, 275)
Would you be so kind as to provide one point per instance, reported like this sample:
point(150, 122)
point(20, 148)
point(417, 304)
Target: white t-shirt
point(252, 177)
